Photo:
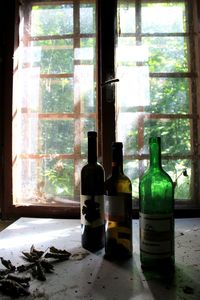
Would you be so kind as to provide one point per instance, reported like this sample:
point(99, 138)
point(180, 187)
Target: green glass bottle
point(118, 209)
point(156, 206)
point(92, 199)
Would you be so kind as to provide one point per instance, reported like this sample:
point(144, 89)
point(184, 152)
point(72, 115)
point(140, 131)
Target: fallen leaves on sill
point(38, 263)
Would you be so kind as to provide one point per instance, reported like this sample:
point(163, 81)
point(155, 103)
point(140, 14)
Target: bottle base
point(165, 266)
point(116, 251)
point(93, 238)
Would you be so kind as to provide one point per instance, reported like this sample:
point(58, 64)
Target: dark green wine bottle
point(156, 206)
point(92, 199)
point(118, 209)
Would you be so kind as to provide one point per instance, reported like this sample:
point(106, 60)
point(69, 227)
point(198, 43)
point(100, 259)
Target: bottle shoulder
point(96, 167)
point(153, 174)
point(118, 184)
point(117, 177)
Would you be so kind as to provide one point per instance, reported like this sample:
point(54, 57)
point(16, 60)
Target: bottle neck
point(92, 149)
point(155, 153)
point(117, 161)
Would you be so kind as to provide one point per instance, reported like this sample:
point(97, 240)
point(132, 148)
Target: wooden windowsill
point(89, 276)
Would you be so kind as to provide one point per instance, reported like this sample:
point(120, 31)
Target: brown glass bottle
point(92, 199)
point(118, 209)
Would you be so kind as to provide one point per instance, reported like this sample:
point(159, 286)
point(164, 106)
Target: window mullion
point(192, 28)
point(77, 99)
point(108, 34)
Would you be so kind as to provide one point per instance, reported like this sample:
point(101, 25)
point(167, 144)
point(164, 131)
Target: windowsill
point(89, 276)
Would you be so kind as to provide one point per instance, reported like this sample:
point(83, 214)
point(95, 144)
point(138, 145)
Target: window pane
point(127, 132)
point(126, 17)
point(180, 172)
point(169, 96)
point(52, 20)
point(87, 18)
point(56, 136)
point(167, 54)
point(55, 100)
point(58, 177)
point(53, 57)
point(175, 135)
point(39, 181)
point(155, 90)
point(56, 95)
point(86, 125)
point(85, 76)
point(163, 17)
point(132, 168)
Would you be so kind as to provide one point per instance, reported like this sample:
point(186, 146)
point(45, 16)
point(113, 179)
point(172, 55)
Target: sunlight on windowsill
point(43, 231)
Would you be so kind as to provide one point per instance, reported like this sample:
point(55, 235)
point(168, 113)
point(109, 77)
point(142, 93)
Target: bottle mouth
point(155, 139)
point(117, 145)
point(92, 134)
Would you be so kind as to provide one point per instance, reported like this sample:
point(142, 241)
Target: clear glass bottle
point(92, 199)
point(156, 207)
point(118, 209)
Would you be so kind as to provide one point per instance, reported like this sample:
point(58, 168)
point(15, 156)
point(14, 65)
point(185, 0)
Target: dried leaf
point(19, 279)
point(59, 251)
point(36, 253)
point(58, 256)
point(29, 257)
point(40, 272)
point(4, 272)
point(7, 264)
point(13, 288)
point(48, 267)
point(23, 268)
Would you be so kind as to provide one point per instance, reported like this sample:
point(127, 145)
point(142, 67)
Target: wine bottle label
point(118, 216)
point(156, 235)
point(118, 208)
point(92, 210)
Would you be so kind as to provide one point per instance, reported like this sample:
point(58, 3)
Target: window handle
point(109, 86)
point(110, 81)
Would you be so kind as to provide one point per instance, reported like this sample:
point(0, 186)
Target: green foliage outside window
point(167, 96)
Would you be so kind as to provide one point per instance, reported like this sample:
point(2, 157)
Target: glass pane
point(125, 42)
point(163, 17)
point(85, 91)
point(56, 95)
point(134, 169)
point(52, 57)
point(133, 89)
point(175, 135)
point(167, 54)
point(52, 20)
point(87, 18)
point(146, 95)
point(56, 136)
point(169, 95)
point(39, 181)
point(127, 131)
point(55, 100)
point(87, 50)
point(86, 125)
point(126, 17)
point(58, 178)
point(180, 171)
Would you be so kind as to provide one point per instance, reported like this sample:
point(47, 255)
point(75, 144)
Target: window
point(54, 100)
point(157, 90)
point(65, 51)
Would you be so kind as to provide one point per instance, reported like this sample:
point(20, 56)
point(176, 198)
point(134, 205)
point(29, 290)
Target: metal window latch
point(109, 86)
